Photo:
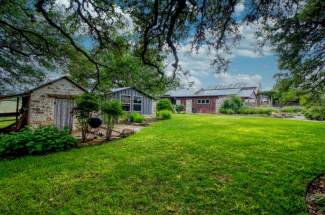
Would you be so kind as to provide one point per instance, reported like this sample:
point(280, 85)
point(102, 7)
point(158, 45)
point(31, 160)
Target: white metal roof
point(242, 92)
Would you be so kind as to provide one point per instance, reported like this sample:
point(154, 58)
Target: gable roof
point(43, 85)
point(56, 80)
point(114, 90)
point(240, 91)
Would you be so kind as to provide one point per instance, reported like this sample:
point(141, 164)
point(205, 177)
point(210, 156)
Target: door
point(188, 106)
point(63, 113)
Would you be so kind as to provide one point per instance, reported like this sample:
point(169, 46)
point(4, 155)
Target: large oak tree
point(39, 32)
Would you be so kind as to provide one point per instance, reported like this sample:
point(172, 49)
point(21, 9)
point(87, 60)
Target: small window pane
point(137, 103)
point(125, 99)
point(136, 107)
point(126, 107)
point(137, 100)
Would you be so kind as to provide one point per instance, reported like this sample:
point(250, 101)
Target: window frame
point(126, 103)
point(200, 101)
point(141, 99)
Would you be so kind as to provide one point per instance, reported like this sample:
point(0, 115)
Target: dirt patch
point(315, 196)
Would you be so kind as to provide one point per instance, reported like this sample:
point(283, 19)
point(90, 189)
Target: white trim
point(200, 103)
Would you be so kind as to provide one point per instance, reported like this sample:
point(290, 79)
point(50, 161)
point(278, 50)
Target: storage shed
point(49, 104)
point(210, 100)
point(134, 100)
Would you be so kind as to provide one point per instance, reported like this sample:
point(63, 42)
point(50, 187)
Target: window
point(126, 102)
point(203, 101)
point(137, 103)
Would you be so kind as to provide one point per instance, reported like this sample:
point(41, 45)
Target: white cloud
point(249, 44)
point(239, 8)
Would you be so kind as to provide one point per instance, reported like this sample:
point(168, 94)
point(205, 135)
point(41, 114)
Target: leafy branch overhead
point(36, 35)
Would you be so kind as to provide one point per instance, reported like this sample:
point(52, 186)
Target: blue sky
point(249, 65)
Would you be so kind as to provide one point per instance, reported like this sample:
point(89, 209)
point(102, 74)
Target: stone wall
point(41, 104)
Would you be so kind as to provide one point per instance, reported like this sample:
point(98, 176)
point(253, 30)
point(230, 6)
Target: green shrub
point(315, 113)
point(111, 110)
point(320, 201)
point(232, 105)
point(136, 117)
point(36, 141)
point(250, 110)
point(86, 105)
point(180, 108)
point(164, 104)
point(292, 109)
point(164, 114)
point(226, 111)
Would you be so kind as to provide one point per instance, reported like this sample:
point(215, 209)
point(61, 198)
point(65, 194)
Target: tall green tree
point(300, 42)
point(38, 31)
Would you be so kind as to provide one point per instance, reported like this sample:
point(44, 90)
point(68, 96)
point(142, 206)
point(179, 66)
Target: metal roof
point(247, 92)
point(114, 90)
point(218, 92)
point(42, 85)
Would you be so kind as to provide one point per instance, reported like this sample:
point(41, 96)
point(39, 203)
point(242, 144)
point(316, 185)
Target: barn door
point(63, 111)
point(188, 106)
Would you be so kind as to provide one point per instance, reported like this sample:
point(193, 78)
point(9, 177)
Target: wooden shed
point(49, 104)
point(134, 100)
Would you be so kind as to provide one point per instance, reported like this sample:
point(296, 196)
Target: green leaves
point(38, 141)
point(86, 104)
point(164, 104)
point(112, 108)
point(232, 105)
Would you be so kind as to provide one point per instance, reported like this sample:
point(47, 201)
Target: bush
point(292, 109)
point(164, 114)
point(36, 141)
point(232, 105)
point(180, 108)
point(136, 117)
point(315, 113)
point(249, 110)
point(164, 104)
point(86, 105)
point(111, 110)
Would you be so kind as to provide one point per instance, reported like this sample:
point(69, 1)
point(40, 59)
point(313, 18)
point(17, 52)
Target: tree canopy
point(41, 35)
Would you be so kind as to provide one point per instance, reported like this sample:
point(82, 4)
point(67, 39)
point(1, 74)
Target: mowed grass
point(191, 164)
point(6, 121)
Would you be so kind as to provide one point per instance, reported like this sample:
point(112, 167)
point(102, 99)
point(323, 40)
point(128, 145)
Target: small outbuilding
point(134, 100)
point(210, 100)
point(49, 104)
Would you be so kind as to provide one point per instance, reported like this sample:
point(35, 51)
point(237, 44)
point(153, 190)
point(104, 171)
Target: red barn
point(210, 100)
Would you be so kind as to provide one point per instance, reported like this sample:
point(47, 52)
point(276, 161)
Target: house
point(134, 100)
point(49, 104)
point(210, 100)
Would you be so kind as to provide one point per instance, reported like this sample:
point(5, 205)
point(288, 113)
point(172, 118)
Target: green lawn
point(192, 164)
point(6, 121)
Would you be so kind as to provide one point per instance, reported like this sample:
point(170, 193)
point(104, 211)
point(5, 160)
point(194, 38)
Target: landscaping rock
point(315, 196)
point(127, 132)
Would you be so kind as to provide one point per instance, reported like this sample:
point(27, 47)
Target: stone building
point(49, 104)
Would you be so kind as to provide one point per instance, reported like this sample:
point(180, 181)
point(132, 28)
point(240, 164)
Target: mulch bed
point(315, 189)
